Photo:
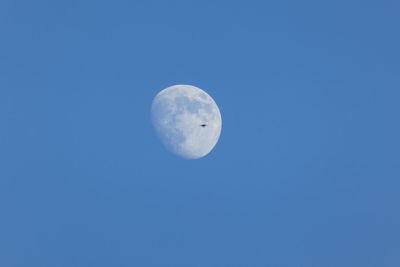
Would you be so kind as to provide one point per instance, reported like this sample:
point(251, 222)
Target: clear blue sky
point(307, 170)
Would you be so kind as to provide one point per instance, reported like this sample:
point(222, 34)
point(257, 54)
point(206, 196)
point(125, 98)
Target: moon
point(187, 120)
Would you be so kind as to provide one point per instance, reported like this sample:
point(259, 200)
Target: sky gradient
point(306, 172)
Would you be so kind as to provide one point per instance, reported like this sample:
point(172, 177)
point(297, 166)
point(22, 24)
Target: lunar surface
point(187, 120)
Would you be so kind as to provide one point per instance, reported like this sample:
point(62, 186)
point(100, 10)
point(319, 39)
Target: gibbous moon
point(187, 120)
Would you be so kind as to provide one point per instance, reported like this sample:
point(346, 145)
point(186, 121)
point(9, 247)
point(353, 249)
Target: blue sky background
point(307, 169)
